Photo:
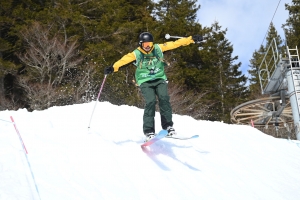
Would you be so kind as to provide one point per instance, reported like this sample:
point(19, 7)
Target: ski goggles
point(147, 44)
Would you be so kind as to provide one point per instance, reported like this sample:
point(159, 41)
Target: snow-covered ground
point(68, 161)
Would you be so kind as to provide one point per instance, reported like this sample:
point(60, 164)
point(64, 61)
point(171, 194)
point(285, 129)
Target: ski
point(160, 135)
point(183, 138)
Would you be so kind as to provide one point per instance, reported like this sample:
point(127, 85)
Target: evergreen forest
point(53, 53)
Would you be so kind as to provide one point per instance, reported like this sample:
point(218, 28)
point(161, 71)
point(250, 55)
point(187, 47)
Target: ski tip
point(157, 137)
point(195, 136)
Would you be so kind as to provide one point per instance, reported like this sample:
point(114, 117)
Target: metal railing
point(268, 65)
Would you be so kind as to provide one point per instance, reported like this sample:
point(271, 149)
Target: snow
point(68, 161)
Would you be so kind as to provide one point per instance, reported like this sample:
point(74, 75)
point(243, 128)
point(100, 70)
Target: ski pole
point(168, 36)
point(97, 98)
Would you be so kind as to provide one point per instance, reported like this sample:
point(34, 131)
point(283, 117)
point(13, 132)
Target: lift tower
point(280, 78)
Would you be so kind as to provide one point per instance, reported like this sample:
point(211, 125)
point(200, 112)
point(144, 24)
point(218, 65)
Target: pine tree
point(12, 14)
point(228, 80)
point(202, 74)
point(273, 34)
point(179, 18)
point(292, 26)
point(176, 17)
point(254, 85)
point(104, 30)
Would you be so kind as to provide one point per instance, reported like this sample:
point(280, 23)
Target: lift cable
point(270, 23)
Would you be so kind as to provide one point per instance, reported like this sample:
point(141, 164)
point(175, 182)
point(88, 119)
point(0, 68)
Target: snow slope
point(68, 161)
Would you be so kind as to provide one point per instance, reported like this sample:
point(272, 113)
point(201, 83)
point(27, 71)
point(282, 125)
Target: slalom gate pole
point(25, 152)
point(20, 138)
point(252, 123)
point(97, 99)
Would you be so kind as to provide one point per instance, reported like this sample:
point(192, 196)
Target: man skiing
point(151, 78)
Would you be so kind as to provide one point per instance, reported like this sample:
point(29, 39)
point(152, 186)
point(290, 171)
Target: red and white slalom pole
point(20, 138)
point(252, 123)
point(26, 152)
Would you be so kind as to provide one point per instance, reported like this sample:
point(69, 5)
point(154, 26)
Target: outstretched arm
point(128, 58)
point(173, 45)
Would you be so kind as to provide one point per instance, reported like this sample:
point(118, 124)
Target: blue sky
point(247, 22)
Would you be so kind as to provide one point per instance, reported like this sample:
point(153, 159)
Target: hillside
point(71, 162)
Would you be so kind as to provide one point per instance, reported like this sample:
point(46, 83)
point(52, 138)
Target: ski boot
point(171, 131)
point(149, 136)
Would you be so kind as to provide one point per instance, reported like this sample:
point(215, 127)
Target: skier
point(151, 78)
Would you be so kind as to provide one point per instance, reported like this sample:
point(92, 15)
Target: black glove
point(197, 38)
point(108, 70)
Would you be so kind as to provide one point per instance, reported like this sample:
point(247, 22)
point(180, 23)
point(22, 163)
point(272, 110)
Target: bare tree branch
point(52, 70)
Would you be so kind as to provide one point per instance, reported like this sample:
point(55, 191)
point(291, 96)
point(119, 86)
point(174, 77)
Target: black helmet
point(145, 37)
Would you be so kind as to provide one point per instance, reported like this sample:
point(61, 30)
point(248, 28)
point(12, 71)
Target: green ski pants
point(150, 90)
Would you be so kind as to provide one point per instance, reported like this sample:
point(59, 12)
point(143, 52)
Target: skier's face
point(147, 46)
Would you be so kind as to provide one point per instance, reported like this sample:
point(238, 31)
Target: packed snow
point(66, 160)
